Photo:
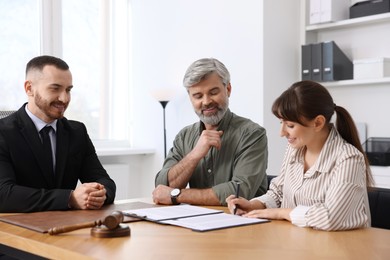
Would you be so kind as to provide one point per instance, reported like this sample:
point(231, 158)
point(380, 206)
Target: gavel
point(111, 221)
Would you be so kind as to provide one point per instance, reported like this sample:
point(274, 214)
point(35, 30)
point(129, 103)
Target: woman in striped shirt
point(325, 173)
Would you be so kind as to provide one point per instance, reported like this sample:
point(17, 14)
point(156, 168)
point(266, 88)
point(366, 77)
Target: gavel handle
point(63, 229)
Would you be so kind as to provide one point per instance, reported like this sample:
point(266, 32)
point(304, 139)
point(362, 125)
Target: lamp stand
point(164, 104)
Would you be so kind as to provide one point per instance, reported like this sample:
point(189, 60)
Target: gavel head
point(113, 220)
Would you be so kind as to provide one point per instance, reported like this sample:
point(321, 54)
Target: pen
point(133, 215)
point(237, 195)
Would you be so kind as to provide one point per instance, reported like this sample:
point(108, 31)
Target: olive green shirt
point(242, 158)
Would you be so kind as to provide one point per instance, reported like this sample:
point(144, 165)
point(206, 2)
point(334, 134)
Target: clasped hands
point(88, 196)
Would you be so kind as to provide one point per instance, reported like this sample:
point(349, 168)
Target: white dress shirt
point(331, 195)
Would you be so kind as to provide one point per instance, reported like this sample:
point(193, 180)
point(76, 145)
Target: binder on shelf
point(325, 61)
point(315, 11)
point(306, 62)
point(335, 64)
point(316, 61)
point(324, 11)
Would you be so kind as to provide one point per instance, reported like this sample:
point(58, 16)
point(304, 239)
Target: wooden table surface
point(273, 240)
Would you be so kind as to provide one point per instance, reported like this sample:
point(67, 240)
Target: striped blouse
point(331, 195)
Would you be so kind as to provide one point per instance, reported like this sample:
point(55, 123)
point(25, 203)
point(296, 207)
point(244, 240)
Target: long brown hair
point(308, 99)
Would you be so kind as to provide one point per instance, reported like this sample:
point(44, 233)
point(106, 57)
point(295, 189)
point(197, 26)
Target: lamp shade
point(163, 94)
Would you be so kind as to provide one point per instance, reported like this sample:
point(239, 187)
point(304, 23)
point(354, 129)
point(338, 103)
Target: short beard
point(45, 107)
point(214, 119)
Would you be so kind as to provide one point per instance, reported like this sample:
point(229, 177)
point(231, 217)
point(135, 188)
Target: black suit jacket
point(25, 185)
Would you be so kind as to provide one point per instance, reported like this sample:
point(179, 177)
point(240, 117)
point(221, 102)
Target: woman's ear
point(319, 122)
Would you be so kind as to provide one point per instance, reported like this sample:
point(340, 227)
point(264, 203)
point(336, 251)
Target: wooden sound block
point(103, 232)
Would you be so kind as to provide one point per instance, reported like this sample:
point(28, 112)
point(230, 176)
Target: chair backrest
point(379, 199)
point(269, 178)
point(6, 113)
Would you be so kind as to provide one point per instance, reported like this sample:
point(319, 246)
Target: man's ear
point(319, 122)
point(229, 89)
point(28, 88)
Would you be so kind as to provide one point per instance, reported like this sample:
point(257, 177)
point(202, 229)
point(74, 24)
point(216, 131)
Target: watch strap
point(174, 200)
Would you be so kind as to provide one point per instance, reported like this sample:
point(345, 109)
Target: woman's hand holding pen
point(255, 209)
point(241, 205)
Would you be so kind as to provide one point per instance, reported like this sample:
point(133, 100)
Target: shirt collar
point(326, 157)
point(39, 124)
point(322, 164)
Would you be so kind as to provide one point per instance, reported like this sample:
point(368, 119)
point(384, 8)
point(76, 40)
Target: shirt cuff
point(70, 194)
point(297, 215)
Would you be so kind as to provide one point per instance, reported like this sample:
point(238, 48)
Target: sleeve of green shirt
point(176, 154)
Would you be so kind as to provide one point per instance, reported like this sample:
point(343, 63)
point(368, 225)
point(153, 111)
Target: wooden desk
point(273, 240)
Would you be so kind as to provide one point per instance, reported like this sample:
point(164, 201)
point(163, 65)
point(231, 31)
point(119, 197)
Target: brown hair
point(41, 61)
point(308, 99)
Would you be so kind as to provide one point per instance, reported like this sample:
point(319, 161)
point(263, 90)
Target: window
point(19, 34)
point(92, 37)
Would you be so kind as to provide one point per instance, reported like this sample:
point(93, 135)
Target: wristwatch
point(174, 194)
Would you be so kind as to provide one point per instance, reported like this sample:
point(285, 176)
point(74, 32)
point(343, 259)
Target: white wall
point(169, 35)
point(281, 67)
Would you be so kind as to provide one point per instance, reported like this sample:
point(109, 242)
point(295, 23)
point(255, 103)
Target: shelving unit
point(366, 20)
point(360, 82)
point(358, 47)
point(368, 100)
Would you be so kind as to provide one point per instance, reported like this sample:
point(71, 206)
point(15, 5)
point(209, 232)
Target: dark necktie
point(47, 147)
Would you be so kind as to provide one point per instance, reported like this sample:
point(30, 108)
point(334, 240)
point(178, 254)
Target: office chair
point(6, 113)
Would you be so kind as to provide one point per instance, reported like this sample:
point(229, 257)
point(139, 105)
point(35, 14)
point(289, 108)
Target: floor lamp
point(163, 96)
point(164, 104)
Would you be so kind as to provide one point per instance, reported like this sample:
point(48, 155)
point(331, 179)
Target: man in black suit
point(27, 182)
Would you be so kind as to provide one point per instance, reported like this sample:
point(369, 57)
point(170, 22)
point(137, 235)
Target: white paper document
point(192, 217)
point(214, 221)
point(170, 212)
